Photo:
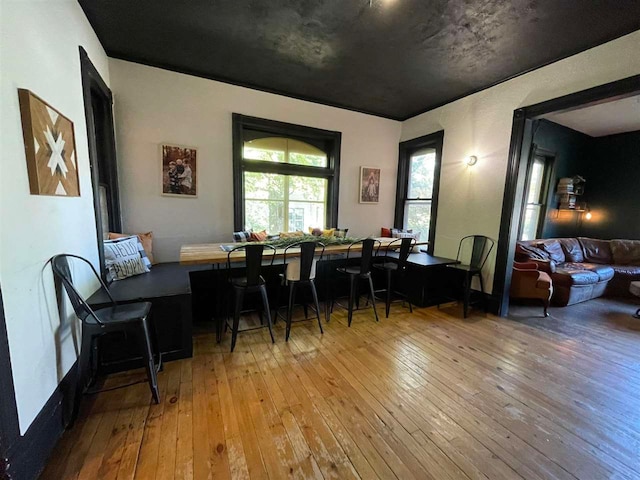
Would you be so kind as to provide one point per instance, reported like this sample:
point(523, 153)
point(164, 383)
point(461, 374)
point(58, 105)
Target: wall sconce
point(472, 160)
point(587, 215)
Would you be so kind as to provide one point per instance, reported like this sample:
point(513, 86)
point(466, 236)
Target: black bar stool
point(251, 282)
point(473, 252)
point(300, 271)
point(360, 272)
point(395, 267)
point(130, 317)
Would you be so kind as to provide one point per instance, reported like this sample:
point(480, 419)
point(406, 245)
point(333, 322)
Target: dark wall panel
point(572, 152)
point(611, 166)
point(613, 187)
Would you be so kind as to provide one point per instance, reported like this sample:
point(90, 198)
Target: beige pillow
point(145, 238)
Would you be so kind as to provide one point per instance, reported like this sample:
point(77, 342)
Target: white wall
point(154, 106)
point(39, 51)
point(470, 199)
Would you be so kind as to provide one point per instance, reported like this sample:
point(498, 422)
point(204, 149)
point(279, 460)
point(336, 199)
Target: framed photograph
point(179, 170)
point(50, 148)
point(369, 185)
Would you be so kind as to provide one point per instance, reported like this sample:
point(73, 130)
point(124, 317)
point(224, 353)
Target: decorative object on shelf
point(472, 160)
point(50, 148)
point(179, 170)
point(369, 185)
point(569, 188)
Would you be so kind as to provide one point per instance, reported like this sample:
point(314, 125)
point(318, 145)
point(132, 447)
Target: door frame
point(519, 149)
point(94, 87)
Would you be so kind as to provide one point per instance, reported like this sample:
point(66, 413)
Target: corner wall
point(154, 106)
point(39, 51)
point(470, 200)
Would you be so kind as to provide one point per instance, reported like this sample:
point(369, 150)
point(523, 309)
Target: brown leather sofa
point(584, 268)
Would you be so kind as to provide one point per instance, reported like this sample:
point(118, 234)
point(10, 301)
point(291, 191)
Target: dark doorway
point(519, 158)
point(98, 104)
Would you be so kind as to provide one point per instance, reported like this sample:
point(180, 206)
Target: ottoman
point(634, 288)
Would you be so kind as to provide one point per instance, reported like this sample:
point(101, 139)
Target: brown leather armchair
point(528, 282)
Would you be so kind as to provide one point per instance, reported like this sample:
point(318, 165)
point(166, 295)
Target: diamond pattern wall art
point(50, 147)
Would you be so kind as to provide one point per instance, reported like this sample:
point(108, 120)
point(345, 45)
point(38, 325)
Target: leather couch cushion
point(625, 252)
point(627, 270)
point(604, 272)
point(567, 276)
point(596, 251)
point(572, 249)
point(526, 250)
point(554, 249)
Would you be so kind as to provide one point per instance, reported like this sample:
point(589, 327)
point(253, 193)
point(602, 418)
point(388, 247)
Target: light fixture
point(587, 215)
point(472, 160)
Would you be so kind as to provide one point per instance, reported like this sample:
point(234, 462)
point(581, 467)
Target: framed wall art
point(369, 185)
point(179, 170)
point(50, 148)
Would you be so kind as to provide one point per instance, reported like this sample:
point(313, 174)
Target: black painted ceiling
point(393, 58)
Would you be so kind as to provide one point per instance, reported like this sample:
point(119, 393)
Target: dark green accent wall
point(611, 166)
point(614, 189)
point(571, 149)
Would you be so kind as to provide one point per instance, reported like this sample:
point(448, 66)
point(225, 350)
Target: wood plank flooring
point(416, 396)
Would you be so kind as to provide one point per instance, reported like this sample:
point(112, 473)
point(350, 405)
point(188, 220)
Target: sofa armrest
point(530, 265)
point(547, 266)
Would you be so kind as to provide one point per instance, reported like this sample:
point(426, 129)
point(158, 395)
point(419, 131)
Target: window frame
point(548, 174)
point(327, 140)
point(406, 149)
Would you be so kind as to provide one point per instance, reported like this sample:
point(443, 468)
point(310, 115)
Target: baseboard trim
point(28, 455)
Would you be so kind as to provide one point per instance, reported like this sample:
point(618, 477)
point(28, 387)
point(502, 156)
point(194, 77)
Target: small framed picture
point(369, 185)
point(179, 165)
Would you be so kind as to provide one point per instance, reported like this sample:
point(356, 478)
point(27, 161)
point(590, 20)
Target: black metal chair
point(251, 282)
point(359, 272)
point(126, 318)
point(300, 271)
point(473, 252)
point(397, 267)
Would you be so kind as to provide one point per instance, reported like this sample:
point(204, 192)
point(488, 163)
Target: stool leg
point(236, 317)
point(265, 305)
point(149, 363)
point(388, 304)
point(315, 299)
point(467, 294)
point(292, 292)
point(83, 366)
point(352, 293)
point(484, 297)
point(373, 298)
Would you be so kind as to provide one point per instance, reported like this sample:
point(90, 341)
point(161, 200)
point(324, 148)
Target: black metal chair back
point(253, 258)
point(307, 256)
point(405, 244)
point(474, 251)
point(367, 253)
point(62, 270)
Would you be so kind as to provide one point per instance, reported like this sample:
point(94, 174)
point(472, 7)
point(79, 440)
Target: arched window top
point(284, 150)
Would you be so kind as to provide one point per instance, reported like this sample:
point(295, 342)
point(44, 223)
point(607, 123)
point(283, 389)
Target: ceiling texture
point(392, 58)
point(606, 118)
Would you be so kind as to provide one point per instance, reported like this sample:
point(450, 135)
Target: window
point(535, 197)
point(417, 189)
point(285, 176)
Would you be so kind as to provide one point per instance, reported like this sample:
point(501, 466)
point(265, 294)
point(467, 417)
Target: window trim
point(405, 149)
point(549, 158)
point(331, 139)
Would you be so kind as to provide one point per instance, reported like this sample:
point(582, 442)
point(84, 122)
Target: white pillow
point(122, 258)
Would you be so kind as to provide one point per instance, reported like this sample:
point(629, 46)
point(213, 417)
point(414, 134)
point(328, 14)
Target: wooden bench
point(168, 287)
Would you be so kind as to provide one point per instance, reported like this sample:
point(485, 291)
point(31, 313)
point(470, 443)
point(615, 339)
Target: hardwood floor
point(422, 396)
